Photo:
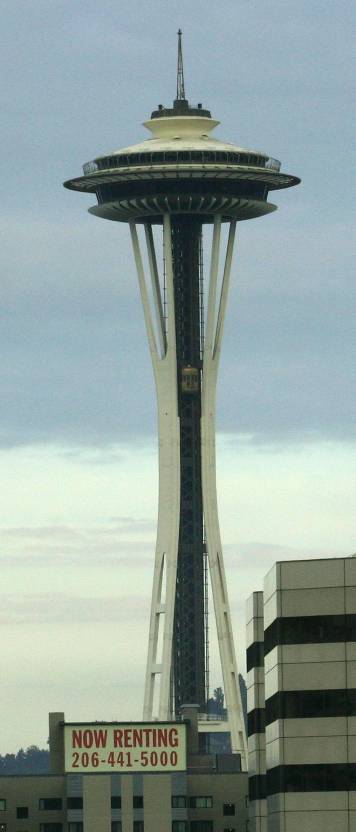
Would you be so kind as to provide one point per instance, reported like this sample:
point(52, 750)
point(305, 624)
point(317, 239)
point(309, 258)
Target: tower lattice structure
point(179, 181)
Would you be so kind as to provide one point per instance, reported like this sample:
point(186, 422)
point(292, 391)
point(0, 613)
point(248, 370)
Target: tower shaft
point(187, 477)
point(189, 630)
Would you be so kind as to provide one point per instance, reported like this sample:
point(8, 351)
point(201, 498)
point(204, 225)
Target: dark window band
point(299, 704)
point(310, 629)
point(180, 157)
point(257, 787)
point(324, 777)
point(256, 721)
point(112, 191)
point(255, 655)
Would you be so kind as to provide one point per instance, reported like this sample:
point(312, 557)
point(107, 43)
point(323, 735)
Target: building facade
point(208, 795)
point(302, 698)
point(256, 713)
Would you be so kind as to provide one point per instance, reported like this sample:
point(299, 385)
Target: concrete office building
point(208, 794)
point(256, 713)
point(302, 698)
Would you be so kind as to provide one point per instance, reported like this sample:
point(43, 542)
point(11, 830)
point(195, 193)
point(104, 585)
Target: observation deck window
point(181, 156)
point(90, 167)
point(273, 164)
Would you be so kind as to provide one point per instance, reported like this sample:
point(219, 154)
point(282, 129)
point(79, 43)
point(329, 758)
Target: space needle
point(168, 188)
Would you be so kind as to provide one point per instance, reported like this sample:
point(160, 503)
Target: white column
point(211, 357)
point(159, 658)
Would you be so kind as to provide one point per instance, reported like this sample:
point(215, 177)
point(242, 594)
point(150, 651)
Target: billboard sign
point(124, 747)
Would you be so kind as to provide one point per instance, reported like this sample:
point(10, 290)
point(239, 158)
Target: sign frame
point(124, 747)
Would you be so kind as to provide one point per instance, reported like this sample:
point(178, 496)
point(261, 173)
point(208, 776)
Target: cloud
point(61, 609)
point(125, 544)
point(75, 366)
point(256, 557)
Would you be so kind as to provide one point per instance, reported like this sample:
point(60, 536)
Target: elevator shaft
point(189, 631)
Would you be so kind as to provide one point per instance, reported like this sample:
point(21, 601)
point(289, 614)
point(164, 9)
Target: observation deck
point(181, 169)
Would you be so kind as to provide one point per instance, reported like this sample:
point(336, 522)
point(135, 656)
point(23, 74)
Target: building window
point(256, 721)
point(77, 826)
point(179, 801)
point(179, 826)
point(22, 811)
point(51, 827)
point(229, 809)
point(116, 826)
point(255, 655)
point(311, 629)
point(2, 804)
point(138, 826)
point(50, 804)
point(201, 826)
point(137, 802)
point(116, 802)
point(257, 787)
point(201, 802)
point(297, 704)
point(74, 802)
point(321, 777)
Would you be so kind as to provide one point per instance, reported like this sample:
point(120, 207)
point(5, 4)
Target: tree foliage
point(32, 761)
point(216, 702)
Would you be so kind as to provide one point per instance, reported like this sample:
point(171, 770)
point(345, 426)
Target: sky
point(78, 445)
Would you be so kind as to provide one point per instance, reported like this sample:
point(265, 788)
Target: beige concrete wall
point(97, 803)
point(223, 788)
point(157, 802)
point(56, 742)
point(157, 812)
point(126, 803)
point(26, 791)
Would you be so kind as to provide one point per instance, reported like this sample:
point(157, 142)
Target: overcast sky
point(78, 450)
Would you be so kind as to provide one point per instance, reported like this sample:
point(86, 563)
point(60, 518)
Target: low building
point(171, 786)
point(301, 684)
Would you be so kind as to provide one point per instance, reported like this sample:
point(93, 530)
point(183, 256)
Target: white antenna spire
point(180, 71)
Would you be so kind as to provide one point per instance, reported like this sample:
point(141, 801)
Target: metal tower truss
point(185, 373)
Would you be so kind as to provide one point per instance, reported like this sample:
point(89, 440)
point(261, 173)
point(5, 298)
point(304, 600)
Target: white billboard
point(125, 747)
